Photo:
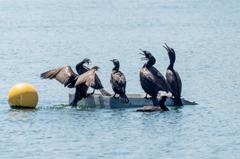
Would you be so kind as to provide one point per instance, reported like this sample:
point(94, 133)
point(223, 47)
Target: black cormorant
point(118, 82)
point(173, 77)
point(152, 81)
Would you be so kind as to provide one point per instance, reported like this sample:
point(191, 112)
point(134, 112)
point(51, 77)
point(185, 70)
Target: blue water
point(37, 35)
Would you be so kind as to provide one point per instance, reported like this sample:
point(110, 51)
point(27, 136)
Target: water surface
point(39, 35)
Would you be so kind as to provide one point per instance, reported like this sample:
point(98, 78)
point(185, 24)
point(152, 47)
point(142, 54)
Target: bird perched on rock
point(173, 77)
point(66, 76)
point(152, 81)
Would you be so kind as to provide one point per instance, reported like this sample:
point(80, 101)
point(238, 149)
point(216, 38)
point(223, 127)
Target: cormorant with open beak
point(152, 81)
point(118, 82)
point(81, 68)
point(173, 77)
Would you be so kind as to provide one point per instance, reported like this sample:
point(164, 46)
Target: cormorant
point(152, 81)
point(82, 69)
point(68, 78)
point(118, 82)
point(173, 77)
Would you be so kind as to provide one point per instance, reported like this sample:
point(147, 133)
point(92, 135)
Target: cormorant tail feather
point(104, 92)
point(177, 102)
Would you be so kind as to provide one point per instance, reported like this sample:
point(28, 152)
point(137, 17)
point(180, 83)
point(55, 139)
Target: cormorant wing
point(159, 79)
point(118, 79)
point(87, 78)
point(61, 74)
point(174, 82)
point(98, 84)
point(81, 69)
point(118, 82)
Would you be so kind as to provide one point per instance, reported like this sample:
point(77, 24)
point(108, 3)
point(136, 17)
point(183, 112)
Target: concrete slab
point(135, 101)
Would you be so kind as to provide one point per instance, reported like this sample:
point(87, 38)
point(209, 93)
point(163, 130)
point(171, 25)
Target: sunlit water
point(37, 35)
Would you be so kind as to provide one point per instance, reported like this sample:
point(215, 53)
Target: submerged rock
point(149, 109)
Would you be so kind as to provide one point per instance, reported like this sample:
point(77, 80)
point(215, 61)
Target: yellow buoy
point(23, 95)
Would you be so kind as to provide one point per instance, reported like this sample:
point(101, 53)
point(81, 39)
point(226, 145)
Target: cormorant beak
point(89, 62)
point(144, 58)
point(96, 68)
point(142, 53)
point(111, 60)
point(166, 47)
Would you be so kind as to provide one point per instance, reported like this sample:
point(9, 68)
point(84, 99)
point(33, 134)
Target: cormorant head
point(115, 61)
point(95, 68)
point(171, 52)
point(116, 64)
point(145, 53)
point(86, 60)
point(149, 57)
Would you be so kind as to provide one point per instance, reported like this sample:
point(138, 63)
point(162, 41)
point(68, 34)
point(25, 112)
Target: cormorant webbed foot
point(177, 102)
point(114, 96)
point(146, 97)
point(93, 92)
point(73, 103)
point(149, 98)
point(162, 104)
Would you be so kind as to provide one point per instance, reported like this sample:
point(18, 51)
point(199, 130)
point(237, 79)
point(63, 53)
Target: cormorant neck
point(80, 66)
point(170, 67)
point(172, 61)
point(81, 63)
point(151, 62)
point(116, 67)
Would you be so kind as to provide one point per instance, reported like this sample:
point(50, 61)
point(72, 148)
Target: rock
point(149, 109)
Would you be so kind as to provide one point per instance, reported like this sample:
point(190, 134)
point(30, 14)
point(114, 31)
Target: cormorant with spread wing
point(118, 82)
point(173, 77)
point(152, 81)
point(68, 78)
